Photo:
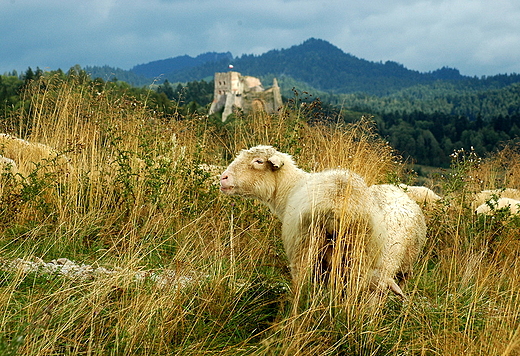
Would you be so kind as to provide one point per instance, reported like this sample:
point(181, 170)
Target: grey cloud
point(476, 36)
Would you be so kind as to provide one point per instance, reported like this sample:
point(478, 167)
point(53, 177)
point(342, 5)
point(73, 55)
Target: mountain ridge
point(315, 62)
point(166, 66)
point(324, 67)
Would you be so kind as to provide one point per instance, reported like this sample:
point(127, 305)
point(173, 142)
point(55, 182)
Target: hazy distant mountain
point(322, 66)
point(314, 64)
point(172, 65)
point(155, 71)
point(325, 67)
point(108, 73)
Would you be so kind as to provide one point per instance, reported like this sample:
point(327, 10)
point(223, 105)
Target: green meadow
point(136, 192)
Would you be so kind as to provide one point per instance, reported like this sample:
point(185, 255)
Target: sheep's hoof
point(395, 288)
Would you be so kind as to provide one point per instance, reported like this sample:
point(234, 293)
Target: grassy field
point(138, 197)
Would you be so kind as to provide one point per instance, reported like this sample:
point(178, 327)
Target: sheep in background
point(421, 195)
point(8, 176)
point(26, 154)
point(486, 195)
point(500, 203)
point(8, 165)
point(393, 228)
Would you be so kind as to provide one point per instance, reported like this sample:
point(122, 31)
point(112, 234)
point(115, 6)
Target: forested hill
point(324, 67)
point(327, 68)
point(315, 64)
point(171, 65)
point(156, 71)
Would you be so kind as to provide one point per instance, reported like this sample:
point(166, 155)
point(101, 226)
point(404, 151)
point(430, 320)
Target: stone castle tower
point(244, 92)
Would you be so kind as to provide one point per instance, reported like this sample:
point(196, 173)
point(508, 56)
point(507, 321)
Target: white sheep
point(7, 164)
point(8, 175)
point(421, 195)
point(486, 195)
point(500, 203)
point(26, 154)
point(324, 202)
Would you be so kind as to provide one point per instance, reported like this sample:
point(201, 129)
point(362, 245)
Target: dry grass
point(138, 200)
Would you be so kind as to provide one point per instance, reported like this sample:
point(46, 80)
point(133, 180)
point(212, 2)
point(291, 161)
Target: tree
point(167, 89)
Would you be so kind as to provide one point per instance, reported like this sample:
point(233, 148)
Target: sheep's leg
point(308, 248)
point(394, 287)
point(381, 282)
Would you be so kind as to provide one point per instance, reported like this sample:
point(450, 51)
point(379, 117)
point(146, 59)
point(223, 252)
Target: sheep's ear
point(276, 161)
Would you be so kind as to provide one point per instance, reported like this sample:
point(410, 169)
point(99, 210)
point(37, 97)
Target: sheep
point(421, 195)
point(8, 173)
point(500, 203)
point(485, 195)
point(25, 154)
point(406, 231)
point(8, 165)
point(322, 202)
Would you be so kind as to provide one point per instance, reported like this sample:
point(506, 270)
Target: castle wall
point(234, 90)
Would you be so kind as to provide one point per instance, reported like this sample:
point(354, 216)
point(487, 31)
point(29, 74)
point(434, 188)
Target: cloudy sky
point(478, 37)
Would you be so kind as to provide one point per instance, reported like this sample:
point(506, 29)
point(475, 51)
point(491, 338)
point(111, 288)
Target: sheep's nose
point(226, 184)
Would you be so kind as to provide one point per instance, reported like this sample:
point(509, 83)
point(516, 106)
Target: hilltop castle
point(244, 92)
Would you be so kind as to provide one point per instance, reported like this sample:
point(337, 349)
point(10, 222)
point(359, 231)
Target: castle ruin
point(232, 90)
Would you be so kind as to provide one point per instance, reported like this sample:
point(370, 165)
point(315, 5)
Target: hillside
point(324, 67)
point(176, 64)
point(315, 63)
point(155, 71)
point(108, 73)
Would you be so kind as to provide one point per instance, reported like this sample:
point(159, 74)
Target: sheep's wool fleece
point(307, 202)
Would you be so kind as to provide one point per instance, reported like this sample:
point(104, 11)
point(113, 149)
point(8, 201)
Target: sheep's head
point(253, 172)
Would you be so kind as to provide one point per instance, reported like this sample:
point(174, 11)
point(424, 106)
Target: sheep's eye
point(259, 161)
